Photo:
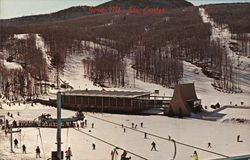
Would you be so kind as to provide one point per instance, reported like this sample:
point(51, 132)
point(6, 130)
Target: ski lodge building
point(106, 101)
point(184, 101)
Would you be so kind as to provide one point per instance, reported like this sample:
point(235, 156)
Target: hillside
point(168, 4)
point(235, 15)
point(155, 45)
point(75, 12)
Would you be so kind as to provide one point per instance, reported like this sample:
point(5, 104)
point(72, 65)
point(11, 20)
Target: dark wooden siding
point(106, 104)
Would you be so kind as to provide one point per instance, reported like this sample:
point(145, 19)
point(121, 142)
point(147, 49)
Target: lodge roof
point(105, 93)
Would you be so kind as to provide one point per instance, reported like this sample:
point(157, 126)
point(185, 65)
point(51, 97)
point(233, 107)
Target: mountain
point(74, 12)
point(140, 4)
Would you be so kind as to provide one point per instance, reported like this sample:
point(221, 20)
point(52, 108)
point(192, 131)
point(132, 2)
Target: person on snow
point(145, 135)
point(82, 124)
point(153, 144)
point(238, 139)
point(14, 124)
point(16, 143)
point(68, 154)
point(7, 124)
point(195, 156)
point(93, 146)
point(209, 145)
point(123, 156)
point(133, 125)
point(24, 149)
point(86, 123)
point(92, 125)
point(114, 154)
point(38, 151)
point(141, 124)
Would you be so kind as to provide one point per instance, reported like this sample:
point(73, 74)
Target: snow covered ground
point(236, 113)
point(207, 93)
point(190, 131)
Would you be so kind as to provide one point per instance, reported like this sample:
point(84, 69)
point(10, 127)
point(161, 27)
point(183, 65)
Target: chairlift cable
point(110, 144)
point(160, 137)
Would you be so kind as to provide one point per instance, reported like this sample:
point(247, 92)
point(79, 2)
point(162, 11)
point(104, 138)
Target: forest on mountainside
point(236, 16)
point(156, 43)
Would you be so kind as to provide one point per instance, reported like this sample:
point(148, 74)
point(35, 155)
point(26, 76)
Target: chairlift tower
point(59, 125)
point(59, 121)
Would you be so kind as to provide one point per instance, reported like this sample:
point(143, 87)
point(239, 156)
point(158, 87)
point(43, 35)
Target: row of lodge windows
point(105, 101)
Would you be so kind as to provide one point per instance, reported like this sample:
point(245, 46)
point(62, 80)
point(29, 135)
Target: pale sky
point(18, 8)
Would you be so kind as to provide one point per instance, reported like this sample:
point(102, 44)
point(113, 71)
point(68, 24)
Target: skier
point(14, 124)
point(82, 124)
point(141, 124)
point(68, 154)
point(93, 146)
point(145, 135)
point(7, 124)
point(24, 149)
point(38, 151)
point(153, 146)
point(16, 143)
point(92, 125)
point(135, 126)
point(18, 113)
point(122, 125)
point(86, 123)
point(124, 130)
point(195, 156)
point(123, 156)
point(238, 139)
point(209, 145)
point(132, 125)
point(114, 154)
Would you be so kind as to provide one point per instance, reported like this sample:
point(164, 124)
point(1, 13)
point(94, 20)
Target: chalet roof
point(183, 93)
point(105, 93)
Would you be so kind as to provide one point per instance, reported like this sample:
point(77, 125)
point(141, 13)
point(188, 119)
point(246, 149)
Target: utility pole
point(59, 123)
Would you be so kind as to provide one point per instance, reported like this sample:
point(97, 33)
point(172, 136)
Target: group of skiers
point(10, 115)
point(84, 124)
point(38, 151)
point(135, 125)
